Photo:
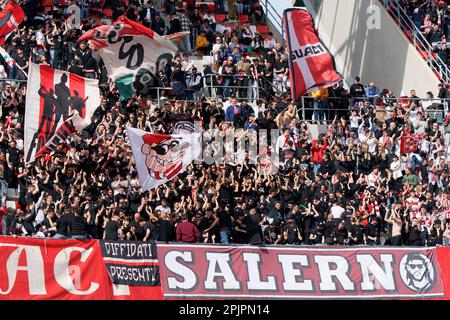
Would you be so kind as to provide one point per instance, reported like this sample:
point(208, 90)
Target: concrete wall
point(384, 55)
point(276, 9)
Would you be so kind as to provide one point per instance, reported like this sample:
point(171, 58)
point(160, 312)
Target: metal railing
point(270, 11)
point(417, 38)
point(434, 108)
point(262, 83)
point(305, 105)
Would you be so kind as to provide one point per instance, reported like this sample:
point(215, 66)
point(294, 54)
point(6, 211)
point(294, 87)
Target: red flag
point(311, 65)
point(10, 18)
point(58, 104)
point(410, 143)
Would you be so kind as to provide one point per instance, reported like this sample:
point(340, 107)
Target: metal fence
point(308, 107)
point(333, 107)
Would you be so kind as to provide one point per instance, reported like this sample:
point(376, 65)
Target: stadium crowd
point(352, 185)
point(431, 18)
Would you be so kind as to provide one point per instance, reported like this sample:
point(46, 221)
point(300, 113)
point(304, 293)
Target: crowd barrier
point(47, 269)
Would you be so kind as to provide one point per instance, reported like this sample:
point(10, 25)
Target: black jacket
point(78, 226)
point(175, 26)
point(158, 26)
point(63, 223)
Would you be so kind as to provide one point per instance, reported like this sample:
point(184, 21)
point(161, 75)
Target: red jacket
point(187, 232)
point(317, 152)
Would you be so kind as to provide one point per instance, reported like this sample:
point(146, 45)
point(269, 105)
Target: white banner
point(161, 157)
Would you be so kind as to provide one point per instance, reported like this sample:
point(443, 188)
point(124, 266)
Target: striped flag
point(58, 104)
point(10, 61)
point(11, 17)
point(311, 65)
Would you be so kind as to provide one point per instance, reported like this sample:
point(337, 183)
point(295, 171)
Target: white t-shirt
point(40, 38)
point(166, 210)
point(372, 143)
point(419, 126)
point(372, 179)
point(337, 211)
point(187, 66)
point(354, 122)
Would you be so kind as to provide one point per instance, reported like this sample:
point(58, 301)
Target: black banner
point(131, 263)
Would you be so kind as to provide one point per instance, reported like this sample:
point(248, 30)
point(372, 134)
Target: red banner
point(52, 269)
point(311, 65)
point(11, 17)
point(443, 254)
point(47, 269)
point(224, 272)
point(58, 104)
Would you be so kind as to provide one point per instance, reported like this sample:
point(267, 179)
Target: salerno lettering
point(302, 272)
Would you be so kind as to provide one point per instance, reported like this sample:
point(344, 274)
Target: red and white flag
point(311, 64)
point(11, 17)
point(58, 104)
point(161, 157)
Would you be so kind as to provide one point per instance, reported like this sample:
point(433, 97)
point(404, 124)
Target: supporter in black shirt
point(158, 25)
point(225, 224)
point(175, 24)
point(62, 225)
point(165, 228)
point(292, 232)
point(240, 229)
point(254, 233)
point(436, 233)
point(373, 232)
point(414, 233)
point(79, 227)
point(112, 229)
point(138, 223)
point(280, 66)
point(75, 68)
point(357, 89)
point(356, 232)
point(341, 234)
point(435, 35)
point(329, 228)
point(21, 63)
point(272, 234)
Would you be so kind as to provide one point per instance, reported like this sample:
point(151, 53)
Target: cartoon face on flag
point(58, 104)
point(311, 65)
point(161, 157)
point(10, 18)
point(133, 54)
